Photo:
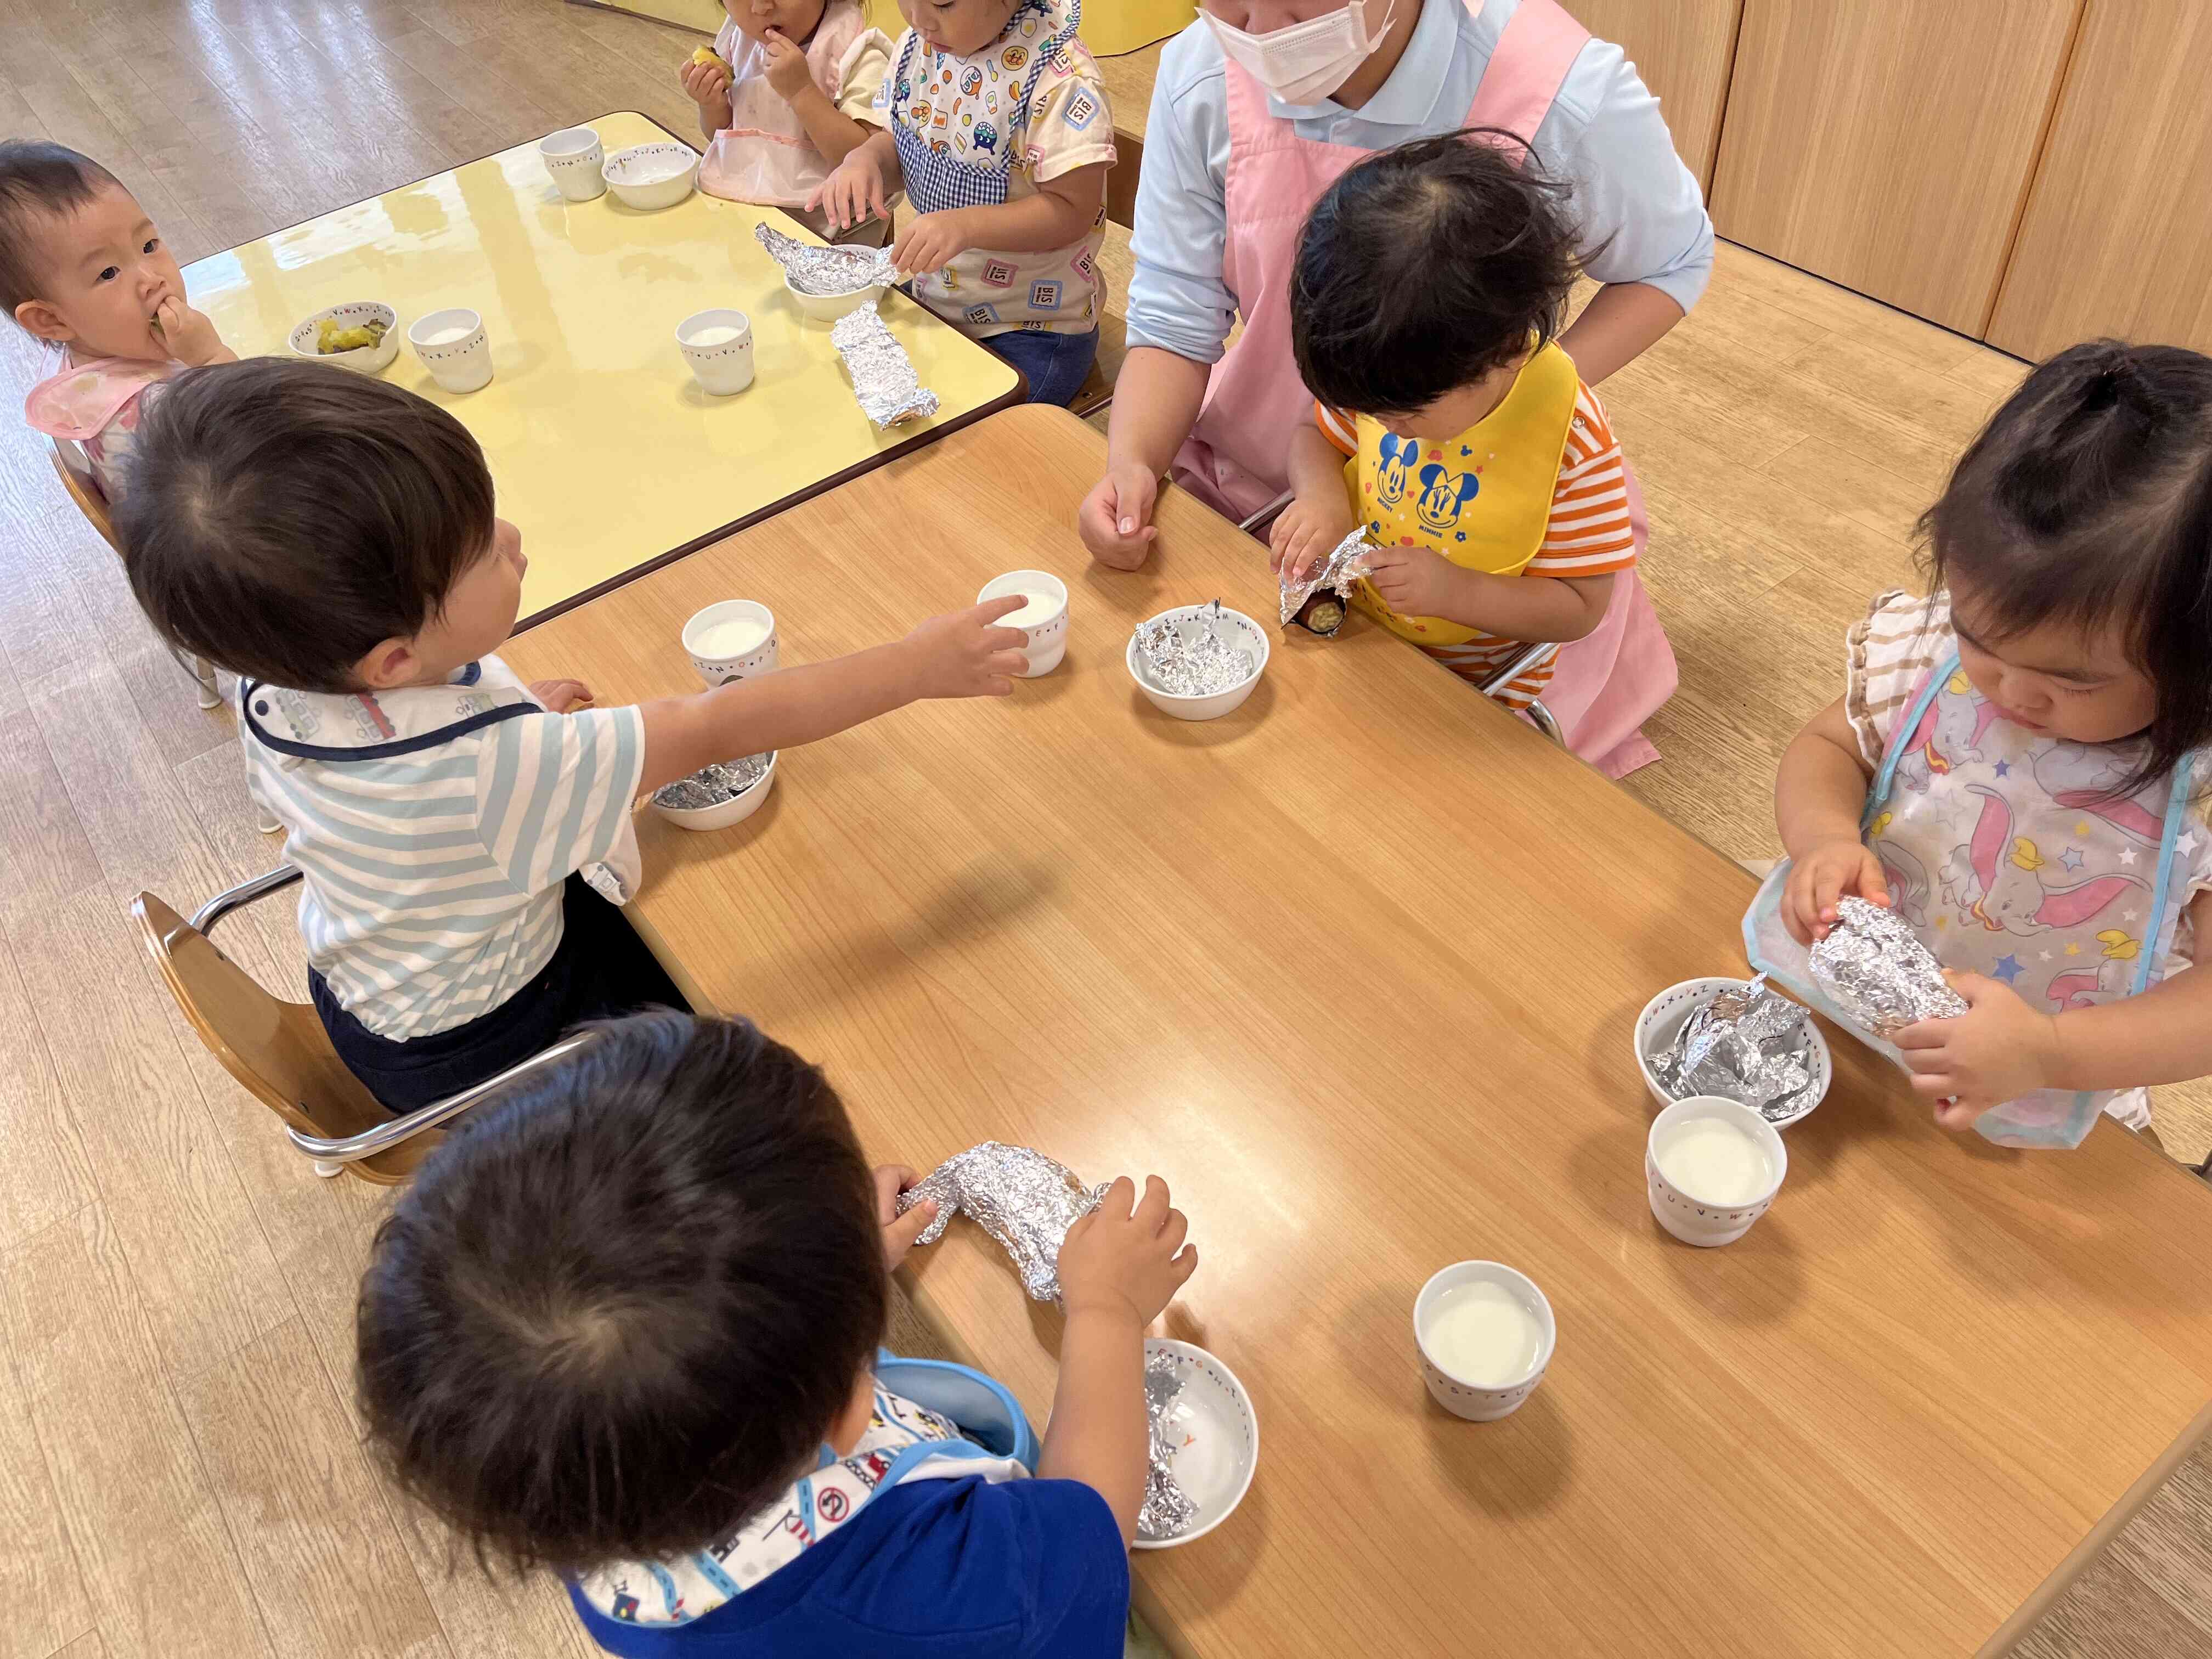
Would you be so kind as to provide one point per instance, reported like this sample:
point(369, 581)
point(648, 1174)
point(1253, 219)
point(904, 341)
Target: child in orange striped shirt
point(1431, 283)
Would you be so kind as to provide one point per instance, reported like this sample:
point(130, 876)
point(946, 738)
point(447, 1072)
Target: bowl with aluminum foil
point(1205, 1443)
point(716, 797)
point(1197, 662)
point(1737, 1039)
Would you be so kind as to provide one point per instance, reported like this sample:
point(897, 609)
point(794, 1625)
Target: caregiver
point(1259, 106)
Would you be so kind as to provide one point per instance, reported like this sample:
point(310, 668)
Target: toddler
point(463, 838)
point(1430, 284)
point(787, 92)
point(2017, 767)
point(624, 1325)
point(82, 267)
point(1000, 134)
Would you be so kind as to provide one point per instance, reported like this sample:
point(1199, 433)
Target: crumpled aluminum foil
point(1875, 968)
point(1168, 1509)
point(1746, 1044)
point(1018, 1196)
point(1187, 656)
point(1336, 570)
point(710, 786)
point(883, 379)
point(828, 272)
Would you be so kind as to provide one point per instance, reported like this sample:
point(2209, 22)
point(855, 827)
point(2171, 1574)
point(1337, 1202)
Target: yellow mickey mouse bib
point(1482, 499)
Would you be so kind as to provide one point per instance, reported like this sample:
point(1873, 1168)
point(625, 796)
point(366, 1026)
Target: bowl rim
point(1547, 1315)
point(1060, 586)
point(851, 293)
point(662, 146)
point(1720, 983)
point(758, 784)
point(392, 329)
point(1259, 667)
point(1750, 1118)
point(1188, 1350)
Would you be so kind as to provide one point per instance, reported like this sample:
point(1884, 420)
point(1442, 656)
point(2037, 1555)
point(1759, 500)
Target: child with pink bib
point(786, 95)
point(83, 269)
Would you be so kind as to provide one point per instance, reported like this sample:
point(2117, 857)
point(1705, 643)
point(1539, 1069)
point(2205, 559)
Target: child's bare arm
point(961, 654)
point(2163, 1035)
point(862, 185)
point(1060, 214)
point(1320, 514)
point(1820, 794)
point(1416, 581)
point(832, 131)
point(1120, 1267)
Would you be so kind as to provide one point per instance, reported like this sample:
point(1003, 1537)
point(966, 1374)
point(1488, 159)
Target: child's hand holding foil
point(900, 1231)
point(1823, 874)
point(1999, 1049)
point(1305, 531)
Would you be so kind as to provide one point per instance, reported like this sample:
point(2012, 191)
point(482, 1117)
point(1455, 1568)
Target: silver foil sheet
point(1746, 1044)
point(1336, 570)
point(1167, 1510)
point(710, 786)
point(1020, 1197)
point(883, 379)
point(1875, 968)
point(1188, 656)
point(827, 271)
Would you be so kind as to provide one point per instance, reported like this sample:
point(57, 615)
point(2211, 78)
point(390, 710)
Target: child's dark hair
point(2088, 499)
point(1426, 267)
point(38, 180)
point(618, 1311)
point(283, 519)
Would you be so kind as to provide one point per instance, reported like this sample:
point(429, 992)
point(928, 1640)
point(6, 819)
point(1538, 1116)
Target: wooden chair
point(1097, 390)
point(93, 506)
point(279, 1053)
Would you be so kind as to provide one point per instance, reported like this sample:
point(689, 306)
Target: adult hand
point(1116, 517)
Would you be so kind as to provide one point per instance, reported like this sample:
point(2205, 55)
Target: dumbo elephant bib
point(1482, 499)
point(2003, 851)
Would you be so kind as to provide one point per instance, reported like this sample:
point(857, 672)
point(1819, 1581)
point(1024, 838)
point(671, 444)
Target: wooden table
point(604, 448)
point(1891, 1420)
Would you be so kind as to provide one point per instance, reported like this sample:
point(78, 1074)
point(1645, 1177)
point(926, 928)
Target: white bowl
point(1048, 640)
point(828, 308)
point(1701, 1221)
point(366, 359)
point(1221, 1444)
point(649, 176)
point(1662, 1019)
point(1480, 1402)
point(1214, 704)
point(723, 814)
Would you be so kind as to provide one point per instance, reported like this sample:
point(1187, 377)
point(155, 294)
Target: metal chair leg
point(1258, 523)
point(1541, 719)
point(210, 693)
point(351, 1149)
point(326, 1168)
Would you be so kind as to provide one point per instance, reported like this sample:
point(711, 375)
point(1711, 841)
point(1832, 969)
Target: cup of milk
point(573, 157)
point(718, 346)
point(453, 347)
point(1485, 1334)
point(1712, 1167)
point(730, 641)
point(1043, 618)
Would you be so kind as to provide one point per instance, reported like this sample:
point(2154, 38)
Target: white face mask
point(1306, 62)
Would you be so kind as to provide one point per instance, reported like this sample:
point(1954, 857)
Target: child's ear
point(391, 662)
point(40, 319)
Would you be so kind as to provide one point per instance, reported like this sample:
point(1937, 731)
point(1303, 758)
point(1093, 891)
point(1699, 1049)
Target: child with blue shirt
point(625, 1326)
point(463, 838)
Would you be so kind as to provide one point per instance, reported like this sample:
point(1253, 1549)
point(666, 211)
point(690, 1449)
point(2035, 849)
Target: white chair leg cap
point(326, 1168)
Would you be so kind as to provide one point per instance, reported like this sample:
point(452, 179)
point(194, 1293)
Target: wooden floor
point(180, 1470)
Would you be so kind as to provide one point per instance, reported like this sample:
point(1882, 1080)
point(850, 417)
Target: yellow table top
point(605, 450)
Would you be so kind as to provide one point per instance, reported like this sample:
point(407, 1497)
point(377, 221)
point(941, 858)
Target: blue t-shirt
point(950, 1568)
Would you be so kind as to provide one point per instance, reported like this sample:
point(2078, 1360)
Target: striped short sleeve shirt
point(434, 833)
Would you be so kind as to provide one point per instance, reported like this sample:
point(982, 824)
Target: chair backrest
point(276, 1050)
point(1122, 179)
point(88, 503)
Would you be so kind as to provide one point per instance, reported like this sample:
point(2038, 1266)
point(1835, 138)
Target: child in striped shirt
point(1431, 283)
point(463, 838)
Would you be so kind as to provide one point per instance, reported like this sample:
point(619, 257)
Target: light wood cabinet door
point(2118, 237)
point(1888, 144)
point(1681, 48)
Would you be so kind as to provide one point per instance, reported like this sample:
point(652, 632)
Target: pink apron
point(764, 154)
point(1605, 684)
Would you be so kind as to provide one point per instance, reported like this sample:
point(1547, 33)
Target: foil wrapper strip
point(1168, 1509)
point(827, 272)
point(1875, 968)
point(1188, 656)
point(1020, 1197)
point(890, 393)
point(1746, 1044)
point(1335, 571)
point(710, 786)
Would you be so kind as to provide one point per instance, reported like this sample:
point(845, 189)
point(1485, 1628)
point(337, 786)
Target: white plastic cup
point(718, 346)
point(1483, 1400)
point(454, 347)
point(732, 640)
point(1046, 632)
point(1712, 1218)
point(572, 156)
